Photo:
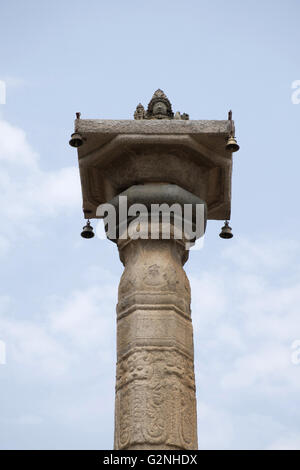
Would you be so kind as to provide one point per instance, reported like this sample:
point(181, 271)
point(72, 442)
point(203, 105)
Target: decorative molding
point(155, 401)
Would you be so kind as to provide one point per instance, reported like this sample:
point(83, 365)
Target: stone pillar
point(154, 159)
point(155, 387)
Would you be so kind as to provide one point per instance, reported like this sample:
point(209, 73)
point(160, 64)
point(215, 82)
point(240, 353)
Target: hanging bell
point(76, 140)
point(226, 231)
point(231, 144)
point(87, 231)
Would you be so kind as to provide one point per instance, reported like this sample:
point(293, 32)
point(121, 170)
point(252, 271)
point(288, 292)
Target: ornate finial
point(139, 112)
point(158, 108)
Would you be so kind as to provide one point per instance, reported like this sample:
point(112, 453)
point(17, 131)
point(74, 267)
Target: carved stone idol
point(158, 108)
point(139, 112)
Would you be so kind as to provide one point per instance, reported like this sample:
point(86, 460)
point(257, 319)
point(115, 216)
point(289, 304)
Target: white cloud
point(28, 192)
point(245, 323)
point(63, 356)
point(253, 255)
point(215, 427)
point(14, 148)
point(86, 315)
point(64, 334)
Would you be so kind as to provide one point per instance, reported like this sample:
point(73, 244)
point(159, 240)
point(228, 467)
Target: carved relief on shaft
point(155, 387)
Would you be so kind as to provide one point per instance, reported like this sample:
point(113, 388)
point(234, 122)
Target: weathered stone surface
point(103, 127)
point(155, 387)
point(156, 200)
point(191, 154)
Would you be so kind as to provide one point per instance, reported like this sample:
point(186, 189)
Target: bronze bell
point(226, 231)
point(76, 140)
point(231, 144)
point(87, 231)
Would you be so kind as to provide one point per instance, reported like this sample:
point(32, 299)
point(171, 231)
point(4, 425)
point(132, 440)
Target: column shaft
point(155, 404)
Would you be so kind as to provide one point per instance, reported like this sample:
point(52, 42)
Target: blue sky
point(58, 291)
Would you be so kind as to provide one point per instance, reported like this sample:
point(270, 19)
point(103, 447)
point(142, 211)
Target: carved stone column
point(157, 158)
point(155, 386)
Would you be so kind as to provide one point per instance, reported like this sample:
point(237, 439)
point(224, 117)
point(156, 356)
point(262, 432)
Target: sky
point(58, 291)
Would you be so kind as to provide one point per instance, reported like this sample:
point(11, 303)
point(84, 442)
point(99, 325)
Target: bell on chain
point(232, 145)
point(87, 231)
point(76, 140)
point(226, 231)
